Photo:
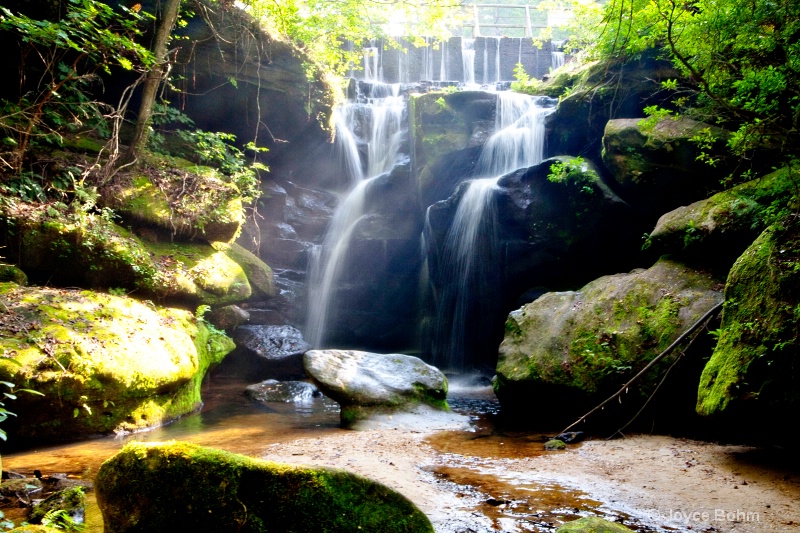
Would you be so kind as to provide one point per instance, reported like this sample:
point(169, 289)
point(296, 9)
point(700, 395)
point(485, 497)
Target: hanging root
point(649, 365)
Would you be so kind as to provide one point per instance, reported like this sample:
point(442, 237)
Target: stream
point(480, 479)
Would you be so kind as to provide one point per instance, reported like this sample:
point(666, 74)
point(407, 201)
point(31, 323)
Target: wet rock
point(366, 383)
point(555, 444)
point(592, 524)
point(183, 487)
point(277, 349)
point(570, 437)
point(273, 390)
point(72, 501)
point(24, 489)
point(228, 317)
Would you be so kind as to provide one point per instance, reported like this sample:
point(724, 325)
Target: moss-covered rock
point(655, 165)
point(566, 350)
point(71, 501)
point(12, 273)
point(183, 487)
point(592, 524)
point(33, 528)
point(259, 274)
point(448, 131)
point(184, 200)
point(92, 251)
point(753, 372)
point(104, 363)
point(716, 231)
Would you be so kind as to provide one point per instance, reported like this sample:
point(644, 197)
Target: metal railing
point(526, 25)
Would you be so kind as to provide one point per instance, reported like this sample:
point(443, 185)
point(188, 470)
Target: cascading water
point(443, 63)
point(468, 60)
point(557, 59)
point(468, 267)
point(497, 60)
point(380, 118)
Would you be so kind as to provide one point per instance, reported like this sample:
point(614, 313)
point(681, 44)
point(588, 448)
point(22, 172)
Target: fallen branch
point(649, 365)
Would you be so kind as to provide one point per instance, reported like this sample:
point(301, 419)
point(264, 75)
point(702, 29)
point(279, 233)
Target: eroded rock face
point(183, 487)
point(753, 374)
point(566, 350)
point(656, 167)
point(115, 364)
point(364, 383)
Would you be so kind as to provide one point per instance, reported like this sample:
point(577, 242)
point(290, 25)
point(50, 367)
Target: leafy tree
point(61, 61)
point(740, 60)
point(334, 33)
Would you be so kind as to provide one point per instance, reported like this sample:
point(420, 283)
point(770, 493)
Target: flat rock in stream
point(278, 350)
point(377, 386)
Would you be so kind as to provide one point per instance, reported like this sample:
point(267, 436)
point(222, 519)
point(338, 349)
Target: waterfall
point(470, 266)
point(443, 63)
point(557, 59)
point(486, 61)
point(371, 57)
point(518, 140)
point(379, 121)
point(497, 59)
point(468, 60)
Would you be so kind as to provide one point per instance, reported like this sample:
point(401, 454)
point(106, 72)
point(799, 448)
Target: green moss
point(591, 340)
point(104, 363)
point(592, 524)
point(754, 365)
point(178, 486)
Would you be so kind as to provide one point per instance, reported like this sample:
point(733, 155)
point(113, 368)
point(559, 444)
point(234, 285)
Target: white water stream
point(379, 120)
point(470, 248)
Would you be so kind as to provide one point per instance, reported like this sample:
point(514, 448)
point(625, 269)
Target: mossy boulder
point(259, 274)
point(567, 350)
point(33, 528)
point(177, 486)
point(365, 383)
point(71, 501)
point(12, 273)
point(716, 231)
point(104, 363)
point(92, 251)
point(655, 164)
point(183, 200)
point(753, 372)
point(592, 524)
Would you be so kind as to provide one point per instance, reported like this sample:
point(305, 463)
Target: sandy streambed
point(651, 483)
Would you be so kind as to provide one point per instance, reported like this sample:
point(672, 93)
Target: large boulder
point(366, 383)
point(186, 203)
point(715, 231)
point(655, 167)
point(94, 252)
point(183, 487)
point(567, 350)
point(104, 363)
point(753, 372)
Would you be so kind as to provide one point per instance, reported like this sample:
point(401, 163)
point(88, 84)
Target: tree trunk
point(169, 14)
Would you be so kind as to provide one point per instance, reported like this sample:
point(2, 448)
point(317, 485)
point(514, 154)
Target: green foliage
point(9, 395)
point(61, 60)
point(335, 34)
point(524, 83)
point(573, 171)
point(60, 519)
point(740, 61)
